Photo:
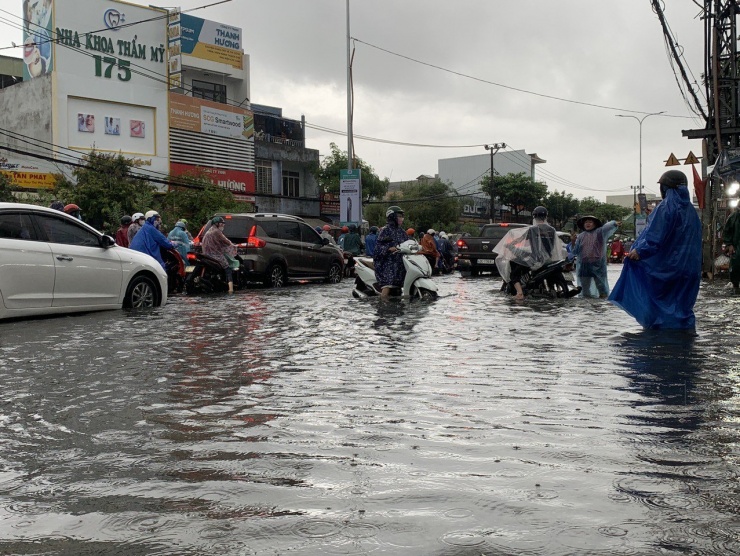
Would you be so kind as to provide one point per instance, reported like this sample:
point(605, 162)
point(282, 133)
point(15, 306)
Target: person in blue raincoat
point(660, 279)
point(590, 250)
point(370, 240)
point(179, 237)
point(389, 269)
point(149, 239)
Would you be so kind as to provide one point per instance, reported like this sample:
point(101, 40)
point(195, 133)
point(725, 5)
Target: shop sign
point(236, 181)
point(30, 180)
point(211, 41)
point(204, 116)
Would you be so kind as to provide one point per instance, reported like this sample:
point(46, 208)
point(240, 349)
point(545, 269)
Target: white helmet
point(431, 231)
point(137, 216)
point(151, 213)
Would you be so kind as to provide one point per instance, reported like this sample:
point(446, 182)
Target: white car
point(52, 263)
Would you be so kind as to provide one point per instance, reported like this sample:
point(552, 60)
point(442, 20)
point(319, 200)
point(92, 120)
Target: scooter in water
point(205, 274)
point(417, 284)
point(547, 281)
point(175, 268)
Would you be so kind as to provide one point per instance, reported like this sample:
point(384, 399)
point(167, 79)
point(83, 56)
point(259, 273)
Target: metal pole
point(641, 154)
point(349, 99)
point(490, 219)
point(640, 120)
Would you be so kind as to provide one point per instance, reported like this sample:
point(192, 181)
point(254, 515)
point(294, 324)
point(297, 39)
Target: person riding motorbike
point(526, 249)
point(217, 245)
point(122, 232)
point(429, 249)
point(352, 242)
point(73, 210)
point(136, 224)
point(389, 269)
point(325, 234)
point(149, 239)
point(179, 236)
point(370, 240)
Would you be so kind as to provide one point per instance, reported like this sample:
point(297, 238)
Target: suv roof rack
point(276, 215)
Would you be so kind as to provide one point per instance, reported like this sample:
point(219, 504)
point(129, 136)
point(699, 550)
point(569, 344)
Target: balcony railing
point(267, 138)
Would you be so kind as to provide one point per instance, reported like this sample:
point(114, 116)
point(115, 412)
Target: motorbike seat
point(208, 259)
point(367, 261)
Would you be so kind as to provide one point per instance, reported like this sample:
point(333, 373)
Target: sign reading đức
point(211, 41)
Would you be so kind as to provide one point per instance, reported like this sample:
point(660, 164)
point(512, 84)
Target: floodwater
point(304, 422)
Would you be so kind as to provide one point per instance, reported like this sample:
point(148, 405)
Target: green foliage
point(519, 191)
point(327, 175)
point(430, 205)
point(375, 214)
point(6, 189)
point(196, 203)
point(561, 207)
point(602, 211)
point(105, 190)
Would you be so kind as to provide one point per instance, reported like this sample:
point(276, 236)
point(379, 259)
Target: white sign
point(349, 197)
point(221, 123)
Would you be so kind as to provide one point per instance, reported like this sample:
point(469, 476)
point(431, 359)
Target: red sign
point(240, 183)
point(329, 204)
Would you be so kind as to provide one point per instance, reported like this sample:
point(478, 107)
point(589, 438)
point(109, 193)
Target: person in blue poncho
point(149, 239)
point(660, 279)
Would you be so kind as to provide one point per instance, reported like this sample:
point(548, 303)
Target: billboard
point(239, 182)
point(38, 54)
point(27, 175)
point(349, 197)
point(212, 118)
point(211, 41)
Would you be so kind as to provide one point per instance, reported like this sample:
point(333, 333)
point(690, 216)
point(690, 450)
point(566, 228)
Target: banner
point(204, 116)
point(211, 41)
point(240, 183)
point(37, 39)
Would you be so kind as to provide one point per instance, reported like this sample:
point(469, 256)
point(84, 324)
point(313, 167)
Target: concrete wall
point(25, 109)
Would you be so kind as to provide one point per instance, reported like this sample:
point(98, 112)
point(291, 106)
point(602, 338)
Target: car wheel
point(275, 276)
point(190, 285)
point(141, 294)
point(335, 274)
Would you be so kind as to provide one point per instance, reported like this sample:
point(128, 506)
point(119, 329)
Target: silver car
point(52, 263)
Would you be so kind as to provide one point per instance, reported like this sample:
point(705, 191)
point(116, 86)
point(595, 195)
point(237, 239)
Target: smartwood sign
point(212, 118)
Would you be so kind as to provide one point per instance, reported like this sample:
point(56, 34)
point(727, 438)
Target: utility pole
point(350, 154)
point(494, 149)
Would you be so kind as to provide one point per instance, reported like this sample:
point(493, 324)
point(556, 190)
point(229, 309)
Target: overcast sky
point(605, 53)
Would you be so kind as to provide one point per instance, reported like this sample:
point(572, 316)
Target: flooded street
point(302, 421)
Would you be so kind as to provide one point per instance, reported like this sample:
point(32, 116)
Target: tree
point(560, 207)
point(197, 200)
point(602, 211)
point(6, 189)
point(519, 191)
point(105, 190)
point(431, 204)
point(327, 175)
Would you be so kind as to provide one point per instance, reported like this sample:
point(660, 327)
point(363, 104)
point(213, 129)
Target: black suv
point(276, 248)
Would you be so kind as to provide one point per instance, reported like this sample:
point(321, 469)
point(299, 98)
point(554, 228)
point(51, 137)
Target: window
point(68, 233)
point(291, 181)
point(16, 226)
point(209, 91)
point(264, 177)
point(309, 235)
point(290, 231)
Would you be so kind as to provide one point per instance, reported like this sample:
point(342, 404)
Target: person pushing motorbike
point(525, 249)
point(389, 269)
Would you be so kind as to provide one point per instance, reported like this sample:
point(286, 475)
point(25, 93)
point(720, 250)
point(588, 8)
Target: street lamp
point(494, 149)
point(640, 120)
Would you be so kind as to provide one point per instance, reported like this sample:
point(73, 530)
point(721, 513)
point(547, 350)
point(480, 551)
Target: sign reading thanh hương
point(211, 41)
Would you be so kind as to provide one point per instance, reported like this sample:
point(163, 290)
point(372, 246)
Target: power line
point(509, 87)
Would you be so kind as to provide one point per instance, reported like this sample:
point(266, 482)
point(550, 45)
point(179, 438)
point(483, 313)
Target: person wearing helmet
point(218, 246)
point(525, 249)
point(370, 240)
point(343, 232)
point(179, 238)
point(57, 205)
point(660, 278)
point(389, 269)
point(731, 239)
point(326, 234)
point(137, 221)
point(429, 249)
point(150, 240)
point(446, 251)
point(73, 210)
point(122, 232)
point(155, 218)
point(590, 251)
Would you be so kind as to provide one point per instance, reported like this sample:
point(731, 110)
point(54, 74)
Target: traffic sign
point(672, 161)
point(691, 159)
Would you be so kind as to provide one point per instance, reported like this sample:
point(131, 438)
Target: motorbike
point(205, 274)
point(175, 268)
point(547, 281)
point(417, 284)
point(616, 255)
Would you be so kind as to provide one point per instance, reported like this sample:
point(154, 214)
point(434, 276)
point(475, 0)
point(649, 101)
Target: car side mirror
point(325, 240)
point(107, 241)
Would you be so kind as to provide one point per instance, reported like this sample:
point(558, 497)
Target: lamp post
point(640, 120)
point(494, 149)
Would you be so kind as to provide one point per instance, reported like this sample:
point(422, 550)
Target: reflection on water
point(303, 421)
